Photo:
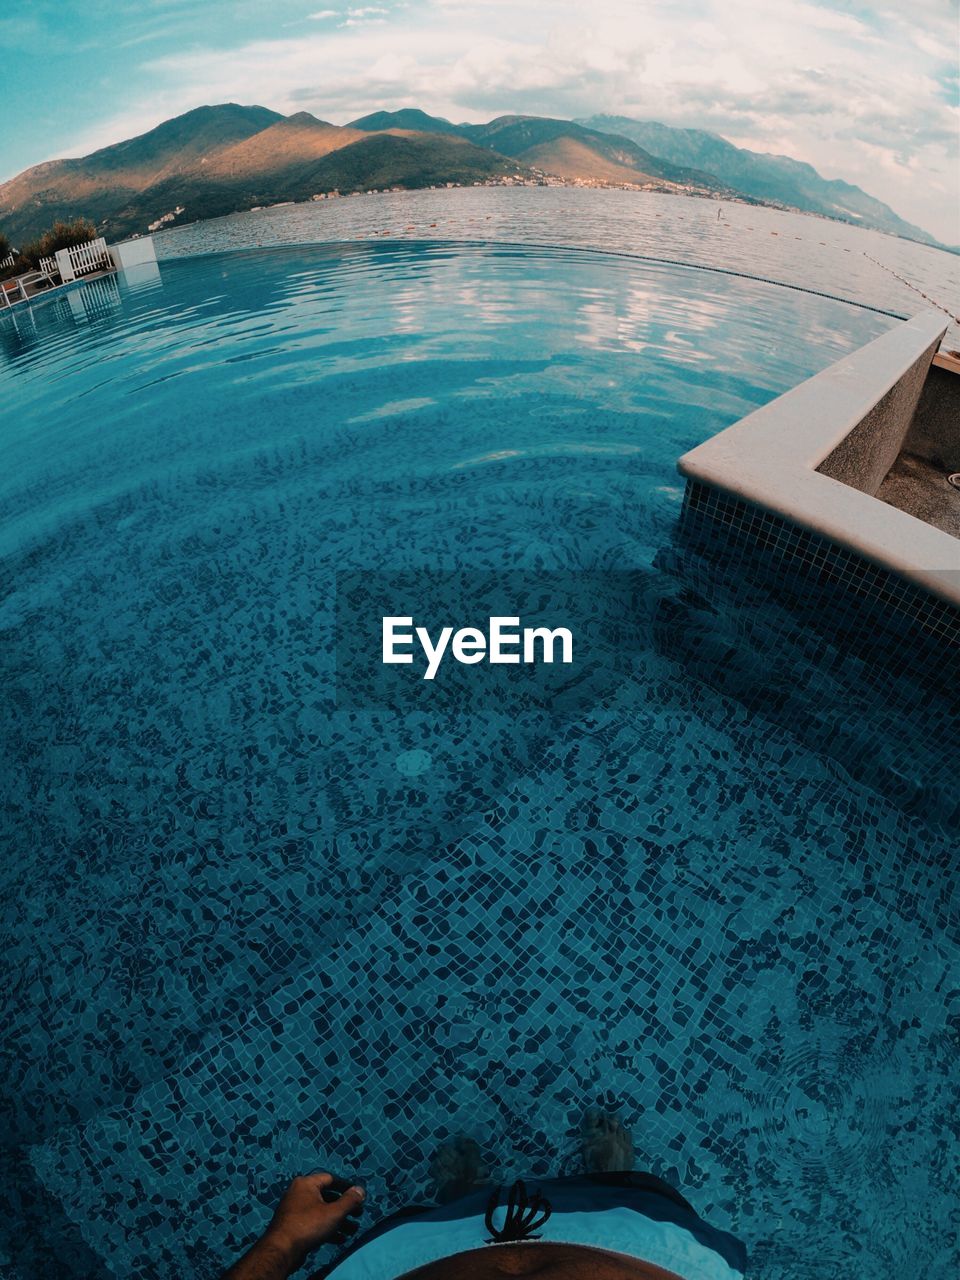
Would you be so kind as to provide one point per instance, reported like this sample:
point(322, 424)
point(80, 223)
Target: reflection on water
point(140, 278)
point(58, 319)
point(801, 250)
point(199, 827)
point(92, 300)
point(435, 331)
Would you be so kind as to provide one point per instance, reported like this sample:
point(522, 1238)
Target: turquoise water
point(251, 930)
point(794, 249)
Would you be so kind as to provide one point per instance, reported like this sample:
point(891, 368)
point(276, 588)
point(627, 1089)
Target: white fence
point(8, 261)
point(130, 257)
point(84, 258)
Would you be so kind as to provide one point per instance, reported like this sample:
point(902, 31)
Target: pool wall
point(865, 455)
point(935, 431)
point(794, 482)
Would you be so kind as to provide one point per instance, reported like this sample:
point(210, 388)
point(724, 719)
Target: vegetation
point(6, 248)
point(219, 159)
point(62, 235)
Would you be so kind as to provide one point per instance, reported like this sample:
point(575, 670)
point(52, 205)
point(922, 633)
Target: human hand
point(315, 1209)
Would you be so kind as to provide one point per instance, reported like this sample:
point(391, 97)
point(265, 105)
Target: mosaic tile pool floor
point(251, 932)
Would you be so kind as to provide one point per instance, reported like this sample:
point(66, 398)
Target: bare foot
point(457, 1168)
point(607, 1147)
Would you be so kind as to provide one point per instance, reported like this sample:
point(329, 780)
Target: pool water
point(250, 930)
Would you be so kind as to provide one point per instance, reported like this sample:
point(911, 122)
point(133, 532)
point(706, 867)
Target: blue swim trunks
point(633, 1214)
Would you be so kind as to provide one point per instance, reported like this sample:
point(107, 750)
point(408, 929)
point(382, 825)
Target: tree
point(6, 251)
point(62, 235)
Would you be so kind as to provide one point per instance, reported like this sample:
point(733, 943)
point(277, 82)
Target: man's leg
point(608, 1156)
point(457, 1168)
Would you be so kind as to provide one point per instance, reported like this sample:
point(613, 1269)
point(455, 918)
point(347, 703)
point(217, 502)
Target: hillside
point(571, 158)
point(99, 184)
point(415, 160)
point(559, 147)
point(407, 118)
point(344, 161)
point(219, 159)
point(289, 143)
point(763, 176)
point(216, 160)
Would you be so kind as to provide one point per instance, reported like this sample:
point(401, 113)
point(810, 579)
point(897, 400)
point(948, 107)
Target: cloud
point(861, 92)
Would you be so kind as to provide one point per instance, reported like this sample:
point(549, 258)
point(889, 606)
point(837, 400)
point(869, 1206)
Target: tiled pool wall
point(884, 702)
point(873, 608)
point(780, 513)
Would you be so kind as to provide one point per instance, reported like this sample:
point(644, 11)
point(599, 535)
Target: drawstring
point(521, 1219)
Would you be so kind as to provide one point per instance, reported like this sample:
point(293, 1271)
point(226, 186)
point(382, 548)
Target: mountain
point(558, 147)
point(219, 159)
point(416, 160)
point(273, 164)
point(407, 118)
point(99, 184)
point(763, 176)
point(285, 144)
point(294, 164)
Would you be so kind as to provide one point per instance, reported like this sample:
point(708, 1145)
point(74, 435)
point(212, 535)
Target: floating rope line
point(440, 243)
point(667, 262)
point(933, 302)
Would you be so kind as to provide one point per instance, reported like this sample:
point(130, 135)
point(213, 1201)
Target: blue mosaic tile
point(726, 980)
point(869, 595)
point(287, 933)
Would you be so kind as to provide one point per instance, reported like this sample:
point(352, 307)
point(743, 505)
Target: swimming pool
point(253, 931)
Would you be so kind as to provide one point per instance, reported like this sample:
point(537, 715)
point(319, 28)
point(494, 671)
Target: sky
point(867, 92)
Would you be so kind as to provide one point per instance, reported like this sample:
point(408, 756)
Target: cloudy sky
point(863, 91)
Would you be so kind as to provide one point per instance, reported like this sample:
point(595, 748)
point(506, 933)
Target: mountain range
point(220, 159)
point(763, 175)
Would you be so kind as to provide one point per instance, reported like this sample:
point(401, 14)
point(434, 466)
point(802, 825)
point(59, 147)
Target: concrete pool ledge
point(816, 456)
